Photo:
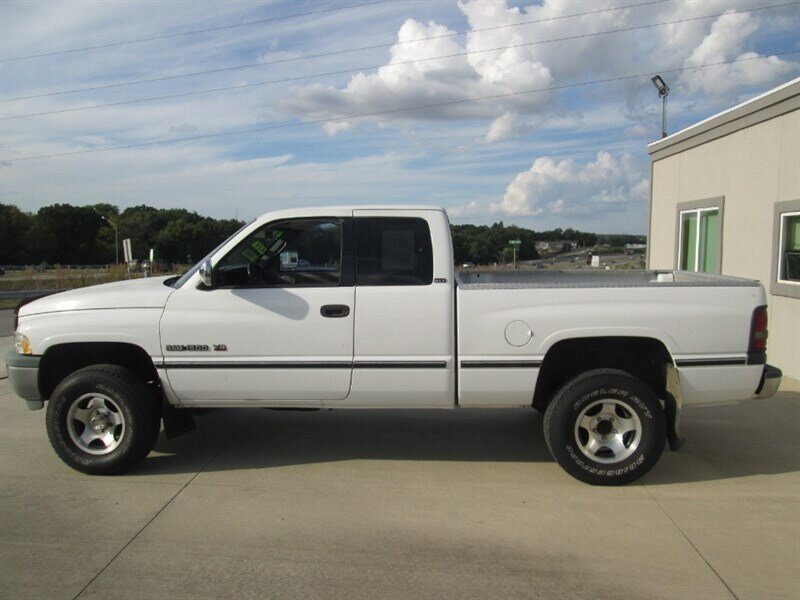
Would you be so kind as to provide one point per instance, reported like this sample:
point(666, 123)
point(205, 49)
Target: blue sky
point(568, 157)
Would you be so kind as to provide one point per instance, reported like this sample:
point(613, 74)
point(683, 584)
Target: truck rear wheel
point(605, 427)
point(102, 420)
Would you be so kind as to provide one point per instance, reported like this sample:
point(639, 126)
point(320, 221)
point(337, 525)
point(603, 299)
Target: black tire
point(115, 401)
point(587, 410)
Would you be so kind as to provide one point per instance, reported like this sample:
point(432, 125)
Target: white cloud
point(641, 190)
point(334, 127)
point(602, 169)
point(527, 193)
point(724, 42)
point(444, 82)
point(725, 38)
point(470, 209)
point(563, 186)
point(533, 67)
point(502, 128)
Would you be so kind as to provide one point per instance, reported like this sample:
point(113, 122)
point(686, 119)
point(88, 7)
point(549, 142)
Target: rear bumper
point(770, 382)
point(23, 373)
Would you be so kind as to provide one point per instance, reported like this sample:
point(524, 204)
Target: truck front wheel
point(605, 427)
point(102, 420)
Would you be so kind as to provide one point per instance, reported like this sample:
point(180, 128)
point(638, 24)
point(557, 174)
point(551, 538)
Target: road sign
point(514, 244)
point(126, 246)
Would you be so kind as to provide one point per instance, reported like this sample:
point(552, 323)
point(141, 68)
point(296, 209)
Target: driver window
point(301, 252)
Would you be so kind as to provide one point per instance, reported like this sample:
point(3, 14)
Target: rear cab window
point(393, 251)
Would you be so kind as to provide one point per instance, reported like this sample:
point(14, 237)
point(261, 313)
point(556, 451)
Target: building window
point(700, 240)
point(786, 249)
point(789, 249)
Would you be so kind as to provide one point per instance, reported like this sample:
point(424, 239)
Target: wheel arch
point(646, 358)
point(60, 360)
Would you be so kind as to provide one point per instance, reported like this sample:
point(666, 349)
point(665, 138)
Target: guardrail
point(49, 267)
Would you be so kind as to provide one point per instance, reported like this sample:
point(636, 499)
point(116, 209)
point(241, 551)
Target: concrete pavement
point(6, 343)
point(6, 322)
point(392, 504)
point(6, 337)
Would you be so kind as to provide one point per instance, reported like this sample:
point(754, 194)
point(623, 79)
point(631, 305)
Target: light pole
point(663, 92)
point(116, 238)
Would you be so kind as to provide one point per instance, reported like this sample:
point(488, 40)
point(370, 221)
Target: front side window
point(393, 251)
point(700, 238)
point(301, 252)
point(789, 249)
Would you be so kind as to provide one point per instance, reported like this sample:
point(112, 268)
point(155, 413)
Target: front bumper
point(770, 382)
point(23, 373)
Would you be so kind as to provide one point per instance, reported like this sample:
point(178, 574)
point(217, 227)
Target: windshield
point(188, 275)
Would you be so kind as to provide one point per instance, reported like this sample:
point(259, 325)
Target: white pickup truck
point(361, 308)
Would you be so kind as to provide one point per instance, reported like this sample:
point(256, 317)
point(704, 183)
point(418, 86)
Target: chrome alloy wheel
point(95, 424)
point(608, 431)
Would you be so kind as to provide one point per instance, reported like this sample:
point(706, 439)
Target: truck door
point(404, 322)
point(276, 328)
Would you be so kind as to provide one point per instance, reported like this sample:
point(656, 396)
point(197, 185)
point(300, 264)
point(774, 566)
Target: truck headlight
point(22, 344)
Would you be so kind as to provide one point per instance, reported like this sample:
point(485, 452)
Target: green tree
point(483, 244)
point(66, 234)
point(15, 226)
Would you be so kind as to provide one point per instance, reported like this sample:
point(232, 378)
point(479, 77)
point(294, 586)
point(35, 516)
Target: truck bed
point(484, 280)
point(509, 321)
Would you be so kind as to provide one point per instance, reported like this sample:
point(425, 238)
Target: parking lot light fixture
point(663, 92)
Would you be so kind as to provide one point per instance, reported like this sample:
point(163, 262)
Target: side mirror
point(205, 273)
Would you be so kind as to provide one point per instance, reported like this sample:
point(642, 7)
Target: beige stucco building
point(725, 198)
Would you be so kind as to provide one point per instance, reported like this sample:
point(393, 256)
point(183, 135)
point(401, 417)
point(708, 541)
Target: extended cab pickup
point(361, 308)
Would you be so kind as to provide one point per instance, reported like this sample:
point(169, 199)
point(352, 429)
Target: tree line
point(487, 244)
point(75, 235)
point(67, 234)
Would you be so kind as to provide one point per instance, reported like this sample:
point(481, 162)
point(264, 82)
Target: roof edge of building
point(770, 104)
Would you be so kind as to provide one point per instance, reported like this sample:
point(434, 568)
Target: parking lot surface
point(403, 504)
point(6, 337)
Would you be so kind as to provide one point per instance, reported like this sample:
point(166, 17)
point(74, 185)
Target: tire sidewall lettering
point(616, 394)
point(595, 469)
